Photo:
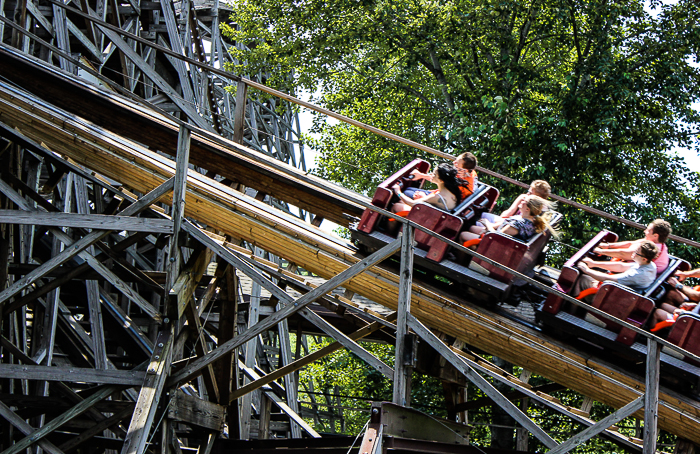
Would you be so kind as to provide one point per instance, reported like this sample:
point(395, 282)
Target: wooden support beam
point(178, 209)
point(136, 59)
point(150, 394)
point(239, 114)
point(57, 422)
point(237, 260)
point(93, 291)
point(651, 397)
point(599, 427)
point(194, 368)
point(201, 349)
point(70, 374)
point(198, 412)
point(403, 371)
point(92, 221)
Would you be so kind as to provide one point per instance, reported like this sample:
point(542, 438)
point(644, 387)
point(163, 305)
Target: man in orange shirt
point(465, 165)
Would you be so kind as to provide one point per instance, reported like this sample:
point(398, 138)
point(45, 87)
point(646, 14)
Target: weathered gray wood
point(61, 34)
point(402, 371)
point(264, 419)
point(458, 362)
point(25, 428)
point(651, 397)
point(109, 275)
point(92, 221)
point(348, 343)
point(202, 349)
point(183, 104)
point(239, 114)
point(97, 429)
point(290, 383)
point(71, 374)
point(93, 291)
point(279, 402)
point(198, 412)
point(150, 394)
point(250, 349)
point(59, 421)
point(34, 11)
point(79, 245)
point(237, 260)
point(176, 46)
point(599, 427)
point(84, 40)
point(193, 369)
point(178, 207)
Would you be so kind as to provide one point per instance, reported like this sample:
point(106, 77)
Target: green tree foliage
point(589, 95)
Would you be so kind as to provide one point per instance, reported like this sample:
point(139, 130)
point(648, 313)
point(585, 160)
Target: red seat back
point(623, 303)
point(569, 273)
point(686, 334)
point(383, 194)
point(440, 222)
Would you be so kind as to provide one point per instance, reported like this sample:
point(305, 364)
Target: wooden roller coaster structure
point(113, 213)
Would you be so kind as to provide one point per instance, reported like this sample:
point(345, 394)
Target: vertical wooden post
point(402, 371)
point(93, 291)
point(239, 113)
point(651, 397)
point(179, 189)
point(521, 434)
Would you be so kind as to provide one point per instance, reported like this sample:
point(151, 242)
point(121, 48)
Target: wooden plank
point(136, 59)
point(150, 394)
point(198, 412)
point(403, 372)
point(92, 221)
point(108, 274)
point(177, 212)
point(177, 47)
point(93, 291)
point(72, 374)
point(60, 420)
point(651, 397)
point(239, 113)
point(599, 427)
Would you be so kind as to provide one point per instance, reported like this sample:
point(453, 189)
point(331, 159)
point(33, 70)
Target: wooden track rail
point(225, 210)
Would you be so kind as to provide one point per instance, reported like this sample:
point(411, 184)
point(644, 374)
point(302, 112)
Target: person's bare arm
point(513, 207)
point(615, 267)
point(686, 274)
point(598, 275)
point(421, 176)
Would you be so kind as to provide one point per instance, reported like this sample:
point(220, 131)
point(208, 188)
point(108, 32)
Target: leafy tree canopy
point(589, 95)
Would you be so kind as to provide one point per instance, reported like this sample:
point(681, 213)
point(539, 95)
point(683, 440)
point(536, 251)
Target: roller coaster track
point(117, 138)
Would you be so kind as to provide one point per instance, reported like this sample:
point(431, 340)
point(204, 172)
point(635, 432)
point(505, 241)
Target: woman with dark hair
point(446, 196)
